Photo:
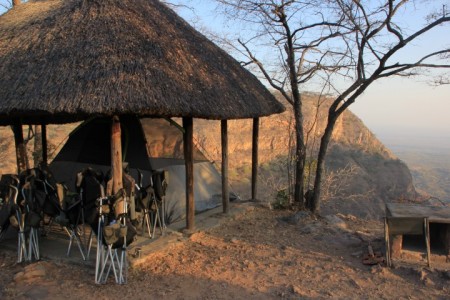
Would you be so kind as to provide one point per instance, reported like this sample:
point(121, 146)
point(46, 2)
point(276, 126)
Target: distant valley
point(427, 155)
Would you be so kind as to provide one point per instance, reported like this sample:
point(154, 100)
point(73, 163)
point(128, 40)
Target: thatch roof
point(66, 60)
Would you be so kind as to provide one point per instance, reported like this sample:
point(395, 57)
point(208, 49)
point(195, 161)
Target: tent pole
point(189, 161)
point(116, 155)
point(21, 150)
point(225, 191)
point(255, 157)
point(44, 143)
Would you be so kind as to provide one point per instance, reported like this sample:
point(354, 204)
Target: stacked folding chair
point(8, 198)
point(53, 200)
point(112, 239)
point(30, 215)
point(90, 189)
point(152, 202)
point(19, 210)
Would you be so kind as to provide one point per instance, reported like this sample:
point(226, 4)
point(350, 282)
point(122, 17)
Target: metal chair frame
point(107, 258)
point(152, 218)
point(33, 235)
point(71, 229)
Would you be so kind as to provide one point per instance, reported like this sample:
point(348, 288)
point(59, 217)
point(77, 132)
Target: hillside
point(361, 173)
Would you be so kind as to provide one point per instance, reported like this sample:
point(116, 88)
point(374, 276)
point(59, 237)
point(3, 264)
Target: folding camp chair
point(90, 188)
point(160, 181)
point(29, 217)
point(45, 197)
point(150, 203)
point(409, 226)
point(11, 209)
point(129, 186)
point(70, 216)
point(8, 193)
point(114, 234)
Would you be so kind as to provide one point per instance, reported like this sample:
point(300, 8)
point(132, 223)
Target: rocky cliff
point(362, 174)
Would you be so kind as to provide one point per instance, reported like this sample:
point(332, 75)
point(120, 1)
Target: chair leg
point(157, 220)
point(91, 237)
point(163, 212)
point(22, 253)
point(73, 235)
point(146, 223)
point(33, 244)
point(426, 224)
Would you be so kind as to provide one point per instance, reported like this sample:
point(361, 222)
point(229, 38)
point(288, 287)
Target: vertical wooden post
point(116, 155)
point(225, 191)
point(37, 153)
point(189, 163)
point(255, 138)
point(44, 144)
point(21, 150)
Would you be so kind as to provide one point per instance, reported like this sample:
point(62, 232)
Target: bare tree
point(300, 35)
point(345, 45)
point(375, 44)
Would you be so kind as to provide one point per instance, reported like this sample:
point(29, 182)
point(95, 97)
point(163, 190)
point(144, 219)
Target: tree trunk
point(225, 192)
point(255, 137)
point(300, 152)
point(324, 142)
point(21, 149)
point(37, 153)
point(189, 164)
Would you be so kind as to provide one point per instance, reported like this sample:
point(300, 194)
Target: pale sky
point(388, 107)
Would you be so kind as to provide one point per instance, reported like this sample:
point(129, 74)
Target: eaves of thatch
point(67, 60)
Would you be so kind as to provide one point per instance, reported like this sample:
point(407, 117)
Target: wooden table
point(435, 214)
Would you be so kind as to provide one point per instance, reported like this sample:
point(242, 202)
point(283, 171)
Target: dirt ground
point(259, 254)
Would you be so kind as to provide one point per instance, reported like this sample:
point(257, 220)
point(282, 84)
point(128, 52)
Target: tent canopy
point(148, 144)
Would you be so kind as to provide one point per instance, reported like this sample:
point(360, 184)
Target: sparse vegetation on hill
point(361, 173)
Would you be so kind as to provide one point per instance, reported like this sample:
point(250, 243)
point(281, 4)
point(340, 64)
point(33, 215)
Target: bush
point(281, 200)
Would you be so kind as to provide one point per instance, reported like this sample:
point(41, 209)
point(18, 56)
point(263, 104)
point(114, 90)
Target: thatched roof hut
point(65, 60)
point(68, 60)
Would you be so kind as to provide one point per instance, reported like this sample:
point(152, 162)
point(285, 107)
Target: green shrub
point(281, 200)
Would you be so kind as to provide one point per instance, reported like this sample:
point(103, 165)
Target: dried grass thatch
point(66, 60)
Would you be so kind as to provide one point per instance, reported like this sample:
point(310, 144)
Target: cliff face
point(361, 173)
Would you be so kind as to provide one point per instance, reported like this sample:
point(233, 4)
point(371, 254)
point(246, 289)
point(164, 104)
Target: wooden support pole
point(255, 138)
point(189, 161)
point(116, 155)
point(44, 144)
point(21, 150)
point(225, 191)
point(37, 153)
